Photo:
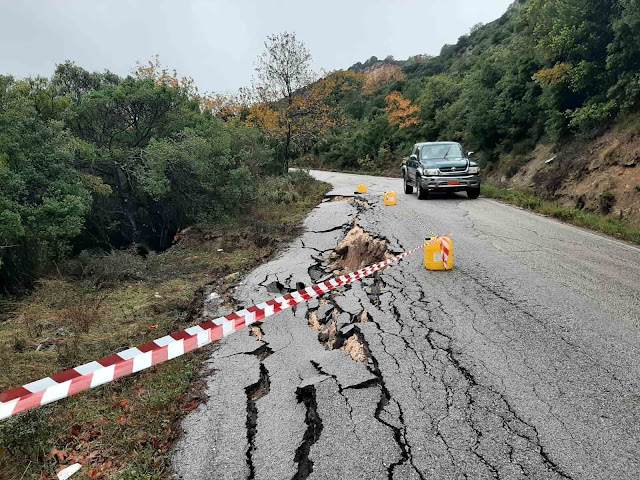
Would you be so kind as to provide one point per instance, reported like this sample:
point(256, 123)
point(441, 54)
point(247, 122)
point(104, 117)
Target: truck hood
point(445, 162)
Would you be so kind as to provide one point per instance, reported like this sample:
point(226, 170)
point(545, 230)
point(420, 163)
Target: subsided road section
point(522, 362)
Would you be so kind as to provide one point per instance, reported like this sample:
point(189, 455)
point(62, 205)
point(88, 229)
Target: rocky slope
point(597, 175)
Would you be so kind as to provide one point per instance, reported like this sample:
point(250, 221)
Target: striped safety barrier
point(132, 360)
point(445, 248)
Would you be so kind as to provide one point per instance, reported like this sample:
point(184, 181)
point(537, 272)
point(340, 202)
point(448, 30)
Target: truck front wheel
point(473, 193)
point(408, 189)
point(422, 193)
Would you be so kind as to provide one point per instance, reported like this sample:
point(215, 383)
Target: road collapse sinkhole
point(336, 328)
point(357, 250)
point(356, 201)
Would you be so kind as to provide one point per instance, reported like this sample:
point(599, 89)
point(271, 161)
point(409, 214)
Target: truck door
point(412, 164)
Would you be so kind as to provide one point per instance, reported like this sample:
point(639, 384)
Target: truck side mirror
point(413, 157)
point(470, 153)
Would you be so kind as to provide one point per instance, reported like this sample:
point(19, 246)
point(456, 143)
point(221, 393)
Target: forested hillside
point(550, 68)
point(92, 160)
point(546, 72)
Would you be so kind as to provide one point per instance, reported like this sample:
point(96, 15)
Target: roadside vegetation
point(92, 160)
point(122, 200)
point(101, 302)
point(623, 230)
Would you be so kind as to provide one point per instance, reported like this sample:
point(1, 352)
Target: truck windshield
point(451, 150)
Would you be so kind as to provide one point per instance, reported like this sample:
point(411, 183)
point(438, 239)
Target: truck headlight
point(474, 169)
point(431, 171)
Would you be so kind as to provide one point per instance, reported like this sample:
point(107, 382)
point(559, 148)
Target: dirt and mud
point(600, 175)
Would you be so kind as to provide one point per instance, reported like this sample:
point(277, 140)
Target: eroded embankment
point(600, 176)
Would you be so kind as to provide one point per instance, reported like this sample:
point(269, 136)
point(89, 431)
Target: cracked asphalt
point(522, 362)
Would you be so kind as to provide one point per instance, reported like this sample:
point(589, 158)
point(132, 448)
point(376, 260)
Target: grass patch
point(98, 304)
point(593, 221)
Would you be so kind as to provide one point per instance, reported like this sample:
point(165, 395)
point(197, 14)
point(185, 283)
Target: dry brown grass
point(609, 151)
point(81, 318)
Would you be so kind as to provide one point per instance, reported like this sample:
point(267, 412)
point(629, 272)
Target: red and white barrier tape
point(132, 360)
point(445, 249)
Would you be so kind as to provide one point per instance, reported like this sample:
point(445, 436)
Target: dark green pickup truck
point(440, 167)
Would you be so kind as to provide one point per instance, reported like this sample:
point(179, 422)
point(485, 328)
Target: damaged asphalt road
point(522, 362)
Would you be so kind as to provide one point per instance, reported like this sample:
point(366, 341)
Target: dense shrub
point(43, 202)
point(91, 160)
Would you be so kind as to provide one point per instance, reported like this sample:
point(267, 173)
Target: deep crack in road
point(520, 363)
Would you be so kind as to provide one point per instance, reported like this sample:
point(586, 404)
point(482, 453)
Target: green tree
point(623, 61)
point(573, 35)
point(43, 199)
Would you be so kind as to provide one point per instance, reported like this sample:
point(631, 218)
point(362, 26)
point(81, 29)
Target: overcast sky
point(217, 41)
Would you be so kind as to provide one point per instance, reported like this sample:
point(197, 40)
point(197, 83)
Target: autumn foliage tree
point(226, 107)
point(297, 124)
point(380, 75)
point(283, 71)
point(401, 111)
point(313, 112)
point(163, 77)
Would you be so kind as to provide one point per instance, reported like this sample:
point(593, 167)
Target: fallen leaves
point(60, 455)
point(102, 470)
point(140, 391)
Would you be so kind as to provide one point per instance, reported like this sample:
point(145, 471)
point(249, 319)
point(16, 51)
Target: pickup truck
point(440, 167)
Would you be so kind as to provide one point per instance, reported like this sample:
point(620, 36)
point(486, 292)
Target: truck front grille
point(453, 169)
